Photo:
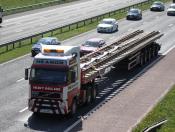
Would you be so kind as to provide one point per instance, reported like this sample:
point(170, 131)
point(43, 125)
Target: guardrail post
point(7, 48)
point(51, 33)
point(77, 26)
point(31, 40)
point(61, 30)
point(13, 45)
point(84, 22)
point(19, 43)
point(69, 27)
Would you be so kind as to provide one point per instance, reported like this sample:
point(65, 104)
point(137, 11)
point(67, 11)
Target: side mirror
point(26, 73)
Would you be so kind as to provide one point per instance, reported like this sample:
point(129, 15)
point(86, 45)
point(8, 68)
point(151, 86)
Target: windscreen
point(157, 3)
point(44, 41)
point(133, 11)
point(91, 44)
point(106, 22)
point(48, 76)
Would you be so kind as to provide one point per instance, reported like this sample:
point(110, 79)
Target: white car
point(108, 25)
point(171, 10)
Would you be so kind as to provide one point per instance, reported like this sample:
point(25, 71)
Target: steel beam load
point(94, 64)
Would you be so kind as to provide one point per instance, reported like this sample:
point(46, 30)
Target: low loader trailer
point(60, 80)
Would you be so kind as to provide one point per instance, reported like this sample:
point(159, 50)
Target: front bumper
point(171, 13)
point(104, 30)
point(155, 9)
point(48, 106)
point(132, 17)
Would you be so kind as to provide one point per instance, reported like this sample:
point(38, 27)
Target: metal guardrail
point(155, 126)
point(4, 47)
point(34, 6)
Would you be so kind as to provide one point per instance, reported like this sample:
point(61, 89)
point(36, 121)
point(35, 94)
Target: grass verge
point(165, 109)
point(22, 50)
point(9, 4)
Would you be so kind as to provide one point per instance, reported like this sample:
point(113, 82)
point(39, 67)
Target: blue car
point(36, 48)
point(157, 6)
point(134, 14)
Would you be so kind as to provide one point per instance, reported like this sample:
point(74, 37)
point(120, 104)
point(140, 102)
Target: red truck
point(60, 80)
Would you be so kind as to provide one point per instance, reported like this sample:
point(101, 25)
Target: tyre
point(93, 94)
point(73, 110)
point(0, 20)
point(88, 96)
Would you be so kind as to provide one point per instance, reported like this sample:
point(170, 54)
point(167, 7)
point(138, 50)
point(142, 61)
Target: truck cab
point(54, 80)
point(1, 14)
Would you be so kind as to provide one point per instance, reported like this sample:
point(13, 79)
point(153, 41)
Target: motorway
point(14, 90)
point(30, 24)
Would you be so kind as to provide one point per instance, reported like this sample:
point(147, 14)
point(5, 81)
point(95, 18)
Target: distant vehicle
point(91, 45)
point(36, 48)
point(108, 25)
point(157, 6)
point(134, 14)
point(171, 10)
point(1, 14)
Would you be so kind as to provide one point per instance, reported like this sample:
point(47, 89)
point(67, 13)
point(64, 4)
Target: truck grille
point(46, 95)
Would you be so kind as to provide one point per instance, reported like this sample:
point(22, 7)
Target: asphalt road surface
point(14, 90)
point(30, 24)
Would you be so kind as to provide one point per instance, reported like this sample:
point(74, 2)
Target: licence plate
point(48, 111)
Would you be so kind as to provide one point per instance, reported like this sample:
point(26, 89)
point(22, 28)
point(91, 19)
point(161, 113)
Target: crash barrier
point(7, 46)
point(34, 6)
point(155, 126)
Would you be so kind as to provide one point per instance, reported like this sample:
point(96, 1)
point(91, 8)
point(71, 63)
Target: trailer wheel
point(73, 108)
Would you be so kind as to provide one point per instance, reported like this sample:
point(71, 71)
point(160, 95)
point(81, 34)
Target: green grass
point(14, 53)
point(165, 109)
point(9, 4)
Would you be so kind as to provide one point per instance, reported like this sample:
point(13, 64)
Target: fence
point(30, 39)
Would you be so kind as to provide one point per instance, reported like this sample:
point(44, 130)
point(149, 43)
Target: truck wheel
point(88, 96)
point(93, 94)
point(73, 108)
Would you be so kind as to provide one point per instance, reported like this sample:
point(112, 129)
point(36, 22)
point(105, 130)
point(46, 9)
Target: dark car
point(157, 6)
point(134, 14)
point(91, 45)
point(36, 48)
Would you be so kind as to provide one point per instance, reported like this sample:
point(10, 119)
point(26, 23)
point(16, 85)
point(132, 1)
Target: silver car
point(171, 10)
point(107, 25)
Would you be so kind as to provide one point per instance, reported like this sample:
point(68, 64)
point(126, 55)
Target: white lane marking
point(166, 52)
point(20, 80)
point(170, 25)
point(72, 126)
point(19, 30)
point(23, 109)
